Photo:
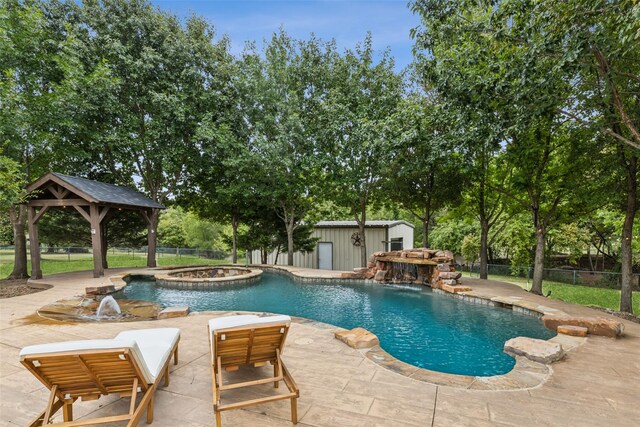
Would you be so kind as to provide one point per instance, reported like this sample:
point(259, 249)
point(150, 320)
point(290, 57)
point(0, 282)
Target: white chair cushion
point(79, 346)
point(155, 345)
point(244, 320)
point(231, 321)
point(238, 321)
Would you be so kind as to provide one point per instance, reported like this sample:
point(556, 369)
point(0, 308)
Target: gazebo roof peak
point(96, 191)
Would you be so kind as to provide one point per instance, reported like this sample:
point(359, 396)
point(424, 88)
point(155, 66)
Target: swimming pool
point(414, 324)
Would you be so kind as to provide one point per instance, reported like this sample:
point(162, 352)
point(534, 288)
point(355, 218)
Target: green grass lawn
point(59, 263)
point(576, 294)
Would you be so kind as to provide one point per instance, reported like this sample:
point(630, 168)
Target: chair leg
point(150, 410)
point(218, 419)
point(294, 410)
point(166, 377)
point(276, 373)
point(175, 356)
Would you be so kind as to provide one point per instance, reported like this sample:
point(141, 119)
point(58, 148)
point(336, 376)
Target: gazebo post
point(96, 240)
point(34, 243)
point(152, 224)
point(103, 239)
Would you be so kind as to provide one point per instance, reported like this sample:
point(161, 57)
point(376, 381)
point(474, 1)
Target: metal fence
point(73, 253)
point(597, 279)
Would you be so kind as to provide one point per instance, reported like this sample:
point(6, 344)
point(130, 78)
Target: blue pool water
point(414, 324)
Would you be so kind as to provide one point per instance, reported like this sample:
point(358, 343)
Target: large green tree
point(423, 172)
point(596, 45)
point(358, 111)
point(287, 83)
point(168, 78)
point(33, 60)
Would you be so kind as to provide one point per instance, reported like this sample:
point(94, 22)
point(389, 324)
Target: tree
point(423, 172)
point(32, 60)
point(168, 80)
point(287, 85)
point(595, 44)
point(358, 110)
point(479, 57)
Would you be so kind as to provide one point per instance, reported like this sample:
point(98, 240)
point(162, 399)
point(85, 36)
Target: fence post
point(68, 254)
point(574, 277)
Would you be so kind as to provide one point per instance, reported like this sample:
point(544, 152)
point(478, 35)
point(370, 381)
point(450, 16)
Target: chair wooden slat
point(250, 345)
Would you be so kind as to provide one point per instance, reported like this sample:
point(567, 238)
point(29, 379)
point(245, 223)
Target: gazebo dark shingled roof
point(97, 202)
point(102, 192)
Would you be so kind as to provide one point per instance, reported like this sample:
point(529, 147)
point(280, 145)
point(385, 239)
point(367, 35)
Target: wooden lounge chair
point(134, 362)
point(249, 340)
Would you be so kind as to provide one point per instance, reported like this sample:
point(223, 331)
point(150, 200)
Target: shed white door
point(325, 256)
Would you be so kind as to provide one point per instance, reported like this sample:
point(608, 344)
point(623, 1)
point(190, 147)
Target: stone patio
point(596, 384)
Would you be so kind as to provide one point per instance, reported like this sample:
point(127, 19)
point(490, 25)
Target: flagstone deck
point(597, 384)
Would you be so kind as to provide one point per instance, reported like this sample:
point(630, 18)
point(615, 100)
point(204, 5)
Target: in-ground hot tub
point(207, 277)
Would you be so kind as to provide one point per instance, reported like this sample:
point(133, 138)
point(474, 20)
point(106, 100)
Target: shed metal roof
point(100, 192)
point(371, 224)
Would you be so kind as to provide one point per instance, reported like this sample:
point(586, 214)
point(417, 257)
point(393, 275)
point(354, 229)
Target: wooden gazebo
point(96, 201)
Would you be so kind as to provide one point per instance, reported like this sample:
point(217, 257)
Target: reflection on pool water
point(415, 325)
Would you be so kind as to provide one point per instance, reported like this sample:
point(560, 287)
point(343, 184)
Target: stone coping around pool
point(171, 280)
point(526, 373)
point(491, 292)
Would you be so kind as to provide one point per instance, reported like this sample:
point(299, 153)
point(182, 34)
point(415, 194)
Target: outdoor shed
point(338, 245)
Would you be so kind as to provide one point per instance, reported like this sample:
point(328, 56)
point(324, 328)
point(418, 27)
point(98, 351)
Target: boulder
point(594, 325)
point(443, 267)
point(380, 265)
point(540, 351)
point(441, 259)
point(454, 289)
point(380, 276)
point(370, 274)
point(450, 282)
point(360, 270)
point(418, 255)
point(178, 311)
point(358, 338)
point(371, 264)
point(576, 331)
point(99, 290)
point(449, 275)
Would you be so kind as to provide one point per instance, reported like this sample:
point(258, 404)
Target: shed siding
point(404, 231)
point(346, 256)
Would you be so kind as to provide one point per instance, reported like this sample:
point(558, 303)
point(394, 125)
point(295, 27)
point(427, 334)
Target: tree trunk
point(626, 260)
point(538, 262)
point(484, 252)
point(363, 245)
point(152, 236)
point(18, 216)
point(425, 232)
point(234, 251)
point(290, 228)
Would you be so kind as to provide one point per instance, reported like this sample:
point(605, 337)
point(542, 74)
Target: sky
point(346, 21)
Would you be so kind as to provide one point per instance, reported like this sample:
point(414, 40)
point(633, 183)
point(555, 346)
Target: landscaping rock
point(540, 351)
point(358, 338)
point(449, 275)
point(99, 290)
point(419, 255)
point(576, 331)
point(380, 276)
point(454, 289)
point(450, 282)
point(594, 325)
point(443, 267)
point(178, 311)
